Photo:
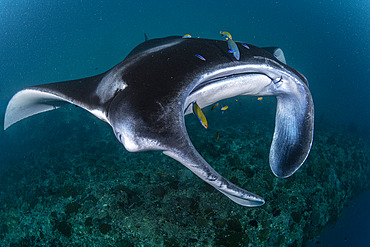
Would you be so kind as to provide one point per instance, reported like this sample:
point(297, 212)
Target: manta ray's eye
point(277, 80)
point(119, 137)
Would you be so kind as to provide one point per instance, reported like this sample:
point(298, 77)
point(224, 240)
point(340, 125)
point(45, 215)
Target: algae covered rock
point(72, 207)
point(64, 228)
point(104, 228)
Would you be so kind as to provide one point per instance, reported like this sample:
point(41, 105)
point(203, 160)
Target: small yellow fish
point(259, 98)
point(225, 34)
point(236, 100)
point(186, 36)
point(218, 135)
point(213, 107)
point(224, 108)
point(200, 115)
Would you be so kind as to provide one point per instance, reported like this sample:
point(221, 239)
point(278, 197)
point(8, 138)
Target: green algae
point(72, 208)
point(263, 234)
point(297, 216)
point(104, 228)
point(88, 221)
point(64, 228)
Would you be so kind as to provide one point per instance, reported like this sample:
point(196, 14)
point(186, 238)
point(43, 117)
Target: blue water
point(327, 41)
point(352, 229)
point(48, 41)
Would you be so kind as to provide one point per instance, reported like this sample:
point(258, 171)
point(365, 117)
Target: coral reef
point(81, 187)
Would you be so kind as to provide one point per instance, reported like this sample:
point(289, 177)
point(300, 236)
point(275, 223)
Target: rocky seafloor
point(67, 181)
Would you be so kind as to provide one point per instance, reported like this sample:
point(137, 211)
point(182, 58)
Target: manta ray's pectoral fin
point(189, 157)
point(91, 94)
point(293, 135)
point(28, 102)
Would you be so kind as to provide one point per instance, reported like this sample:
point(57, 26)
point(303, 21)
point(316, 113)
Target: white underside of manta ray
point(145, 97)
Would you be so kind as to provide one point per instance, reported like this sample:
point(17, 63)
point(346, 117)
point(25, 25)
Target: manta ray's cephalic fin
point(93, 94)
point(190, 158)
point(293, 135)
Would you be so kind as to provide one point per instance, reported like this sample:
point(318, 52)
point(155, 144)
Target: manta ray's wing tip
point(28, 102)
point(254, 201)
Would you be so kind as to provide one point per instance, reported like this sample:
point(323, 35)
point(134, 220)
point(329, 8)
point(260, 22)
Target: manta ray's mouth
point(222, 78)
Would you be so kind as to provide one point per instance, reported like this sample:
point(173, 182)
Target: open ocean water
point(65, 180)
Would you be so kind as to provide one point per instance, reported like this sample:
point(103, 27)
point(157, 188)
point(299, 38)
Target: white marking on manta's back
point(162, 47)
point(109, 85)
point(150, 51)
point(112, 81)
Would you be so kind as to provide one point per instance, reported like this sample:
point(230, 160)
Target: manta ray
point(145, 97)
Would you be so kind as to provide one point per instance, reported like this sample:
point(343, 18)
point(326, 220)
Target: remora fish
point(143, 98)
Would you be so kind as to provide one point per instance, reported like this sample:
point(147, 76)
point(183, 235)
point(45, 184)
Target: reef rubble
point(75, 184)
